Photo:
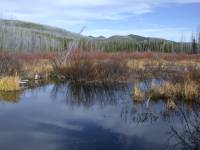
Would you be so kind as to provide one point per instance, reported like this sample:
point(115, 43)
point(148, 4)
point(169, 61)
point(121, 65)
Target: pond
point(77, 117)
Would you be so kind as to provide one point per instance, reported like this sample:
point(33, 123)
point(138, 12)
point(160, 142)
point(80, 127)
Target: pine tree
point(194, 46)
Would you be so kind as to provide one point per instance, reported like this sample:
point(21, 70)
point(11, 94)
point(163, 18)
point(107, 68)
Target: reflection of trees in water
point(184, 121)
point(12, 97)
point(187, 134)
point(130, 112)
point(158, 110)
point(120, 96)
point(88, 95)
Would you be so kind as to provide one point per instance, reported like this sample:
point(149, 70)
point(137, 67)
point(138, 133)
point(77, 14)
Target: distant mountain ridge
point(18, 35)
point(132, 37)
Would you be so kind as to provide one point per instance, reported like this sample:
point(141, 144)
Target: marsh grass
point(189, 90)
point(10, 83)
point(171, 105)
point(92, 66)
point(138, 94)
point(42, 67)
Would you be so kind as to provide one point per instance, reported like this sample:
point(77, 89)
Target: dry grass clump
point(138, 94)
point(171, 105)
point(188, 90)
point(41, 67)
point(165, 91)
point(9, 83)
point(136, 65)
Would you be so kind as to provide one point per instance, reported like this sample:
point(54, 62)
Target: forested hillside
point(23, 36)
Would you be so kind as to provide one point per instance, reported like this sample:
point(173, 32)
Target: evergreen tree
point(194, 46)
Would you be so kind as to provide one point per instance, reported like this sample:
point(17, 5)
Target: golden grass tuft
point(166, 90)
point(138, 95)
point(191, 90)
point(9, 83)
point(134, 64)
point(42, 67)
point(171, 105)
point(187, 90)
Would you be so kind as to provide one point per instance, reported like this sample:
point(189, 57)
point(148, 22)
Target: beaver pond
point(77, 117)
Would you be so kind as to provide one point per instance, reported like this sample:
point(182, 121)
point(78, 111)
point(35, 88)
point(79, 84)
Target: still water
point(75, 117)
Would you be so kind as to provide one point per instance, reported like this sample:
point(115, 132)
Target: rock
point(36, 77)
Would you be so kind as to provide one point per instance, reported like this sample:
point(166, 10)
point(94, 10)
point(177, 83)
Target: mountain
point(25, 36)
point(135, 38)
point(138, 38)
point(130, 37)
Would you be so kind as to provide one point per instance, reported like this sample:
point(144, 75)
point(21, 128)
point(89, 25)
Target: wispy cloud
point(83, 9)
point(74, 13)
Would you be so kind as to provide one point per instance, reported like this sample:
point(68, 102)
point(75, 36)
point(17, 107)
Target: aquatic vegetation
point(188, 90)
point(10, 83)
point(165, 91)
point(138, 94)
point(191, 90)
point(171, 105)
point(101, 67)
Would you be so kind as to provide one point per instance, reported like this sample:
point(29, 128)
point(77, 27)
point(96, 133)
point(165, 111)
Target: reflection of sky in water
point(68, 117)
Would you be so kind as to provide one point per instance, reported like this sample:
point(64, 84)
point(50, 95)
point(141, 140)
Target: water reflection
point(87, 95)
point(12, 97)
point(187, 134)
point(118, 95)
point(71, 116)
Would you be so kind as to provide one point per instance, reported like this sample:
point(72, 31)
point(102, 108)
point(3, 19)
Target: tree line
point(14, 38)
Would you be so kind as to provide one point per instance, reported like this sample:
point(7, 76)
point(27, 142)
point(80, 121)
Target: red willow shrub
point(134, 55)
point(103, 66)
point(11, 63)
point(93, 66)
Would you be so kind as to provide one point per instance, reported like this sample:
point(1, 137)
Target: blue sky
point(170, 19)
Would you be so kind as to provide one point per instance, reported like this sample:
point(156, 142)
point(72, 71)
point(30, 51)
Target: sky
point(170, 19)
